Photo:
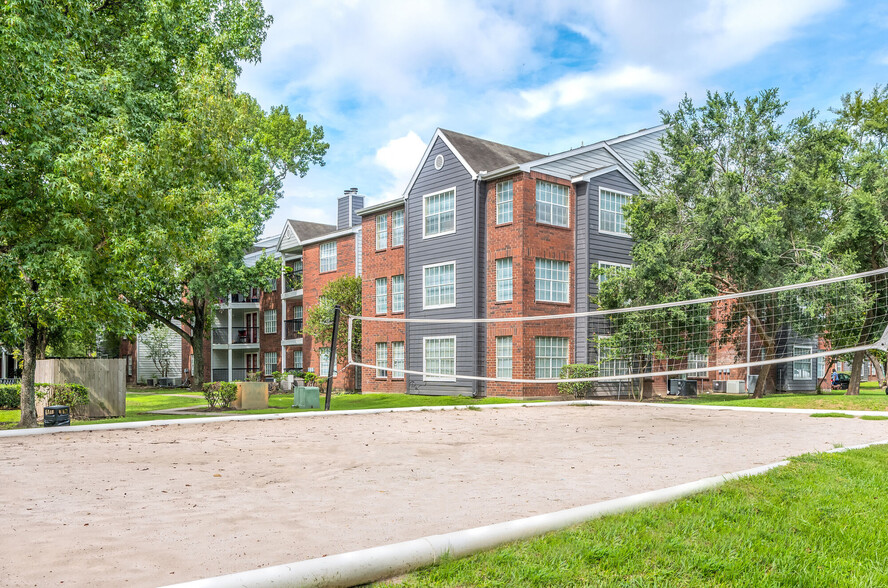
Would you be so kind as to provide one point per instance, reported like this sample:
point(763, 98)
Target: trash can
point(57, 416)
point(306, 397)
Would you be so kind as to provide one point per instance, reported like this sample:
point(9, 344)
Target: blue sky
point(546, 76)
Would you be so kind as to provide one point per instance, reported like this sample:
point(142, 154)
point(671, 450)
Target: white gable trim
point(636, 134)
point(285, 235)
point(438, 135)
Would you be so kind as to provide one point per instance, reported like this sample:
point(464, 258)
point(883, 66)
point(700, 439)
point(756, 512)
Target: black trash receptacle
point(57, 416)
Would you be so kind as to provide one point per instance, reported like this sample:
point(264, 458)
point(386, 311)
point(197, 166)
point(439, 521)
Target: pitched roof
point(482, 155)
point(306, 230)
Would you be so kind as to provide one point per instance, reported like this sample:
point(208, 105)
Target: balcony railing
point(238, 335)
point(293, 329)
point(237, 375)
point(251, 297)
point(293, 281)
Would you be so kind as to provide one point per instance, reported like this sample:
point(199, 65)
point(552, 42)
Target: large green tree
point(95, 101)
point(717, 215)
point(345, 292)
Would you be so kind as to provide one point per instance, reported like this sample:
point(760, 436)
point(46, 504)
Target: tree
point(91, 184)
point(346, 292)
point(851, 173)
point(716, 216)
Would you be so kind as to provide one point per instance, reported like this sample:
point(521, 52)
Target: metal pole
point(748, 349)
point(332, 363)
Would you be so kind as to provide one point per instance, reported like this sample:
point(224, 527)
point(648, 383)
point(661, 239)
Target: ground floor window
point(609, 361)
point(698, 361)
point(551, 354)
point(381, 359)
point(297, 358)
point(439, 359)
point(801, 369)
point(504, 357)
point(397, 360)
point(271, 363)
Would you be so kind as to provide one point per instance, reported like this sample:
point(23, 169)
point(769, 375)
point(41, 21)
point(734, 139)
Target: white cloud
point(400, 157)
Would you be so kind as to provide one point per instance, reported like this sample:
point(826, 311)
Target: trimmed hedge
point(67, 394)
point(578, 370)
point(220, 393)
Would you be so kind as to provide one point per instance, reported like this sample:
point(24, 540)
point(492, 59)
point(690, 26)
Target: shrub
point(211, 393)
point(578, 370)
point(254, 377)
point(227, 393)
point(10, 395)
point(67, 394)
point(310, 378)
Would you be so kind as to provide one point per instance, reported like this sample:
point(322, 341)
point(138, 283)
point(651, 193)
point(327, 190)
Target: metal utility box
point(57, 416)
point(682, 387)
point(306, 397)
point(735, 387)
point(720, 386)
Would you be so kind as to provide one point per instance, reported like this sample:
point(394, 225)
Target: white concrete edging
point(378, 563)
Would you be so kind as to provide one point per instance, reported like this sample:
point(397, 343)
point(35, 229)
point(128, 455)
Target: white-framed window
point(381, 231)
point(552, 280)
point(381, 359)
point(271, 321)
point(397, 228)
point(381, 296)
point(271, 363)
point(398, 293)
point(610, 212)
point(504, 279)
point(821, 367)
point(504, 202)
point(801, 369)
point(272, 285)
point(328, 256)
point(698, 361)
point(297, 359)
point(439, 359)
point(551, 354)
point(552, 204)
point(504, 357)
point(439, 285)
point(606, 264)
point(609, 361)
point(297, 312)
point(324, 354)
point(439, 213)
point(397, 360)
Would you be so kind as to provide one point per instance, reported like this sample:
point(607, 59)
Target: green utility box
point(306, 397)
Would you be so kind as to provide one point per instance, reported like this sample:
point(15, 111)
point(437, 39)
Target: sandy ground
point(167, 504)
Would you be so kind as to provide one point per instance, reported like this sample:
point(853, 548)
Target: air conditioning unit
point(149, 382)
point(682, 388)
point(720, 386)
point(735, 387)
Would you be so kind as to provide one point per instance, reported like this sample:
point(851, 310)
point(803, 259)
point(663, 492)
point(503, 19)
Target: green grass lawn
point(870, 398)
point(821, 521)
point(139, 403)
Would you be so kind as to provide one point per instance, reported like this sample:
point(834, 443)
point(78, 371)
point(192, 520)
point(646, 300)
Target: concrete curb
point(377, 563)
point(321, 414)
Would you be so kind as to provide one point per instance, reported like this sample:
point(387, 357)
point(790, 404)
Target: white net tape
point(795, 324)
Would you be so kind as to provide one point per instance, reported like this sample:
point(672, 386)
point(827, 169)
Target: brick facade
point(380, 263)
point(313, 283)
point(270, 342)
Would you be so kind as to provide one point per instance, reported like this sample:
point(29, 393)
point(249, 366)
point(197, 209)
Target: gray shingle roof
point(484, 155)
point(306, 230)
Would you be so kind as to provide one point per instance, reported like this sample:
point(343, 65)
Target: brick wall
point(313, 283)
point(524, 240)
point(270, 342)
point(382, 263)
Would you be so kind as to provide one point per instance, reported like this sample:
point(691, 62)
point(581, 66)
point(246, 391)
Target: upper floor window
point(552, 280)
point(381, 231)
point(328, 256)
point(398, 293)
point(439, 285)
point(271, 321)
point(504, 279)
point(551, 203)
point(397, 228)
point(381, 296)
point(504, 202)
point(439, 213)
point(610, 212)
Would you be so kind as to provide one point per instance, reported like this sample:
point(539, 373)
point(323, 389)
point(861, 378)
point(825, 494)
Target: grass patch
point(873, 417)
point(833, 415)
point(869, 399)
point(820, 521)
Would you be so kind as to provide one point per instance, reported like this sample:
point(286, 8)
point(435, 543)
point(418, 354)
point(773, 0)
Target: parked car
point(840, 380)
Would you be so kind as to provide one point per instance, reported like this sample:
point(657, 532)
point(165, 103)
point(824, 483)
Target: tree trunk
point(880, 373)
point(197, 344)
point(29, 369)
point(856, 368)
point(762, 383)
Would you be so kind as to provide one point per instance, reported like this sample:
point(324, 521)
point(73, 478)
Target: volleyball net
point(796, 324)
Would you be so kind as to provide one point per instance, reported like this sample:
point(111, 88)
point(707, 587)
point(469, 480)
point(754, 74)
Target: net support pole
point(883, 342)
point(332, 366)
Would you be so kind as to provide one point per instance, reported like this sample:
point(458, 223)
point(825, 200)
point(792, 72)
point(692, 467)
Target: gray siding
point(342, 213)
point(575, 165)
point(785, 382)
point(458, 247)
point(633, 150)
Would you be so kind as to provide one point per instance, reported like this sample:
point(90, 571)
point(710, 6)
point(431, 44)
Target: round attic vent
point(439, 161)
